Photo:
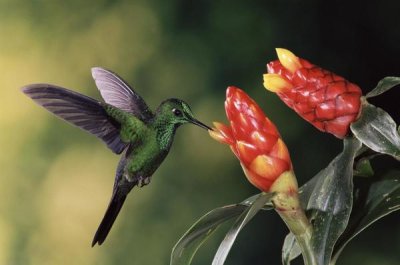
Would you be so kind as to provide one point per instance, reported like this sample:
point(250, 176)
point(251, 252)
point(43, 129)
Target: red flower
point(256, 142)
point(326, 100)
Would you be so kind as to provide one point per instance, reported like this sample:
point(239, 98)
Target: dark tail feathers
point(109, 218)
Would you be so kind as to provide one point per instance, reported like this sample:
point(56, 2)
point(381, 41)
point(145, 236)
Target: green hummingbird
point(125, 123)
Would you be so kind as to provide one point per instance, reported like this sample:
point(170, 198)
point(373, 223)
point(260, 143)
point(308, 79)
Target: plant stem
point(299, 225)
point(304, 241)
point(287, 204)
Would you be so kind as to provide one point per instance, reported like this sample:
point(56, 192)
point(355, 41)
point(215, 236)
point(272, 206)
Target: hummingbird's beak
point(200, 124)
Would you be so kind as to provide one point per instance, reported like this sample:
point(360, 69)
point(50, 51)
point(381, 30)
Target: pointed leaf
point(384, 85)
point(243, 219)
point(290, 250)
point(328, 196)
point(187, 246)
point(382, 198)
point(363, 168)
point(377, 130)
point(189, 243)
point(249, 201)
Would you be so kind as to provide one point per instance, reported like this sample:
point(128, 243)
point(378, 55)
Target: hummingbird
point(127, 126)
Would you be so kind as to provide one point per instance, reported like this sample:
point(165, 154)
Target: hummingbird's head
point(178, 112)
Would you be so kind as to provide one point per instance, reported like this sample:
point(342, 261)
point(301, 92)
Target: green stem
point(298, 224)
point(304, 242)
point(287, 204)
point(288, 207)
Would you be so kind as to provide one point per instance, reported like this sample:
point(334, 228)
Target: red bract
point(326, 100)
point(254, 140)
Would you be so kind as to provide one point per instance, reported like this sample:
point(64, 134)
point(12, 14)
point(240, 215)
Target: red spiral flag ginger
point(326, 100)
point(256, 142)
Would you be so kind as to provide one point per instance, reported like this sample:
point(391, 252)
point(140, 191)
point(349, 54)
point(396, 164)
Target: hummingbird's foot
point(143, 181)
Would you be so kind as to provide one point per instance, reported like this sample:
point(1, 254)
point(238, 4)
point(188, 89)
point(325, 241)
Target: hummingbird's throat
point(165, 135)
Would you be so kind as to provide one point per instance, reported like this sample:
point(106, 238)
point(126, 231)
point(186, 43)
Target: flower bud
point(326, 100)
point(255, 141)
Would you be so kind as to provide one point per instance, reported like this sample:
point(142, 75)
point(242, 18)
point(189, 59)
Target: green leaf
point(363, 168)
point(290, 250)
point(384, 85)
point(187, 246)
point(378, 198)
point(377, 130)
point(328, 200)
point(249, 201)
point(243, 219)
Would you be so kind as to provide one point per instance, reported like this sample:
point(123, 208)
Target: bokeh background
point(55, 180)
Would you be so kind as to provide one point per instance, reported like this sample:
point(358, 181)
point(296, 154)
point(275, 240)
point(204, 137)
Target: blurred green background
point(55, 180)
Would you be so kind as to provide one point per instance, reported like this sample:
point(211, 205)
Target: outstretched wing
point(115, 91)
point(79, 110)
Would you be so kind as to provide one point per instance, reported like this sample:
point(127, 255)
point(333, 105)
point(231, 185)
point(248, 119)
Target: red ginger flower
point(256, 142)
point(326, 100)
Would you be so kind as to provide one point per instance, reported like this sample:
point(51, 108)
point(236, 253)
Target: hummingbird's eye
point(177, 112)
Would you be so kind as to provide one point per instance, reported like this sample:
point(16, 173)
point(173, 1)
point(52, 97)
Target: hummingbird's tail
point(79, 110)
point(109, 218)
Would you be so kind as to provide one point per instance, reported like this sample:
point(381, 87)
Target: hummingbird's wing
point(79, 110)
point(115, 91)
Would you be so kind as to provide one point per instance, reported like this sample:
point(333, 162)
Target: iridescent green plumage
point(125, 124)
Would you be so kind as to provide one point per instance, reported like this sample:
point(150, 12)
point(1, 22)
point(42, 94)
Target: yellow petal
point(258, 181)
point(218, 136)
point(275, 83)
point(290, 61)
point(280, 151)
point(225, 131)
point(219, 125)
point(267, 167)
